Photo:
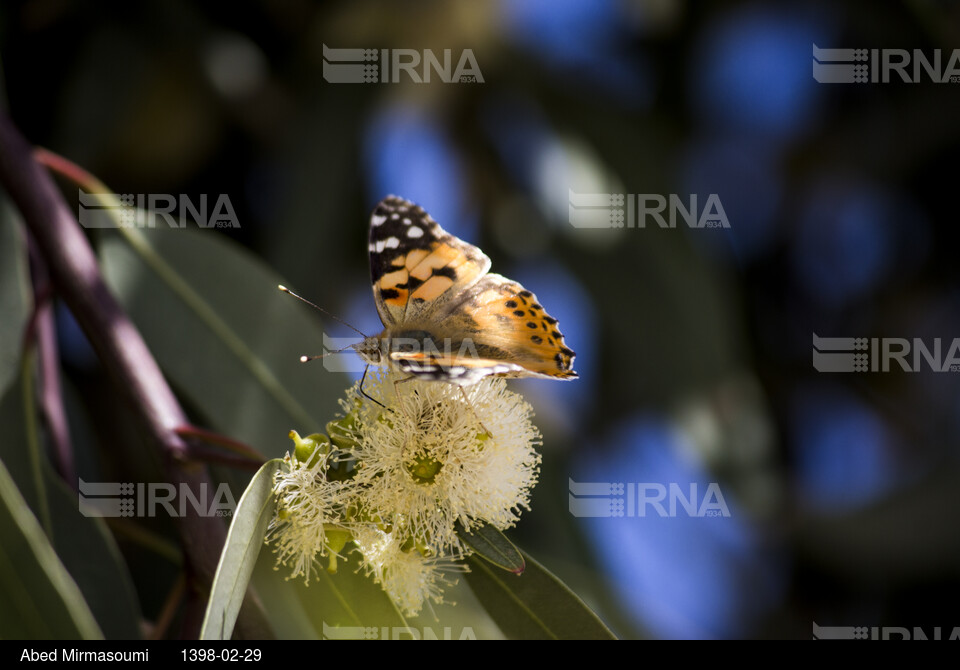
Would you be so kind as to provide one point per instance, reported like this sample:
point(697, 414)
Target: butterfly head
point(370, 349)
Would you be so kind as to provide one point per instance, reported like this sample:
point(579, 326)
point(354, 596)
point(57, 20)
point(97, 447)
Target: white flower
point(428, 462)
point(400, 474)
point(310, 512)
point(408, 577)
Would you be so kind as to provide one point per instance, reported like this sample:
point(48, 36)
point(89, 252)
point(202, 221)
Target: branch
point(76, 275)
point(48, 358)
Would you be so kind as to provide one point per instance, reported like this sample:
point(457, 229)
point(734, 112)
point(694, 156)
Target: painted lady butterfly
point(445, 318)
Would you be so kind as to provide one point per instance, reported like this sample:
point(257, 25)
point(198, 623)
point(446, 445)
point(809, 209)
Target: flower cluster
point(404, 472)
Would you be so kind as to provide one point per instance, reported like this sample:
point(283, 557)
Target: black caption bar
point(143, 651)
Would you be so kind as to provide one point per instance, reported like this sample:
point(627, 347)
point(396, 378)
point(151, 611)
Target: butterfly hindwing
point(508, 324)
point(416, 267)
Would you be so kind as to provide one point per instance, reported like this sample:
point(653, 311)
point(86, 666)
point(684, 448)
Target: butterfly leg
point(396, 391)
point(466, 399)
point(396, 387)
point(364, 393)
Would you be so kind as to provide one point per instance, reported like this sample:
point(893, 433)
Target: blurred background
point(694, 344)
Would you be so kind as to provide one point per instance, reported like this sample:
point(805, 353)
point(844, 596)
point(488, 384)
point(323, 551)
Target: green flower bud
point(309, 449)
point(337, 539)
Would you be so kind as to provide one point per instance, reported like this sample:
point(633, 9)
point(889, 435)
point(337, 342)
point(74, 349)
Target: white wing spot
point(394, 216)
point(407, 221)
point(391, 243)
point(414, 231)
point(377, 220)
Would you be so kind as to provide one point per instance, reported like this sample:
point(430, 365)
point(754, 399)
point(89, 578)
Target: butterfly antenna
point(307, 359)
point(321, 309)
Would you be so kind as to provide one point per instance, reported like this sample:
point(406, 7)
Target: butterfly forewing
point(416, 267)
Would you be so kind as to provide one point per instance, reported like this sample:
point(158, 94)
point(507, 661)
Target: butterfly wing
point(509, 325)
point(430, 286)
point(498, 328)
point(418, 270)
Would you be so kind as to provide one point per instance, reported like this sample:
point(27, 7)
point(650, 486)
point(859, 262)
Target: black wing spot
point(536, 339)
point(557, 334)
point(445, 271)
point(531, 324)
point(412, 284)
point(518, 312)
point(511, 304)
point(550, 320)
point(389, 293)
point(526, 294)
point(567, 351)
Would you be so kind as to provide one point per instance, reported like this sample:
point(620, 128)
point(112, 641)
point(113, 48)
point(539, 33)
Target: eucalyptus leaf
point(534, 605)
point(491, 544)
point(40, 599)
point(84, 544)
point(331, 605)
point(15, 292)
point(347, 599)
point(240, 552)
point(89, 552)
point(226, 338)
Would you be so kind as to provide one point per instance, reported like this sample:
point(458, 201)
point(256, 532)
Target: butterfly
point(445, 317)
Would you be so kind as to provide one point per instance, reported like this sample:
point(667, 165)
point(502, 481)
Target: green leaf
point(226, 338)
point(15, 448)
point(40, 599)
point(280, 600)
point(346, 598)
point(296, 611)
point(91, 555)
point(535, 605)
point(240, 552)
point(489, 543)
point(83, 544)
point(15, 293)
